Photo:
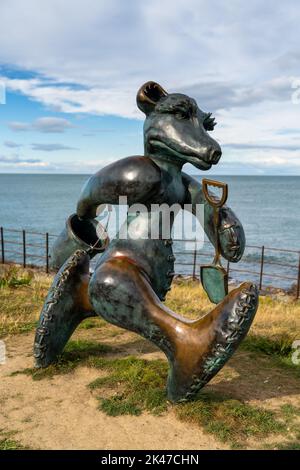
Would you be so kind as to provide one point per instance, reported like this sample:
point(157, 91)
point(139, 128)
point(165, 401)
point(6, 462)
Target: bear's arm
point(138, 178)
point(231, 232)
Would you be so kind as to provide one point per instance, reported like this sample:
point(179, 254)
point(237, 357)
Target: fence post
point(2, 245)
point(298, 283)
point(24, 248)
point(261, 266)
point(47, 252)
point(194, 262)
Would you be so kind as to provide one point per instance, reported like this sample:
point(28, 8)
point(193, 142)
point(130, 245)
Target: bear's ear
point(148, 95)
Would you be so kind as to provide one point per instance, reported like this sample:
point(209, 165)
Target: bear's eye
point(182, 113)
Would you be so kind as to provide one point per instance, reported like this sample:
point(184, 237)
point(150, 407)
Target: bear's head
point(176, 129)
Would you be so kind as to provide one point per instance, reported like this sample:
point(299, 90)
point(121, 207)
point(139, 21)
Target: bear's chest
point(173, 191)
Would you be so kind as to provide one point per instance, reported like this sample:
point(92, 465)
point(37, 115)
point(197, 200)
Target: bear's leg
point(66, 305)
point(196, 350)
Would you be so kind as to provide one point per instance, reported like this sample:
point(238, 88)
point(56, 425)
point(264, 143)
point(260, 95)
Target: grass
point(90, 323)
point(278, 349)
point(76, 353)
point(138, 385)
point(275, 317)
point(230, 420)
point(132, 385)
point(291, 445)
point(7, 443)
point(290, 411)
point(22, 294)
point(13, 278)
point(281, 346)
point(275, 327)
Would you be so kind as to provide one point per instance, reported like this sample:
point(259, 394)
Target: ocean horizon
point(268, 207)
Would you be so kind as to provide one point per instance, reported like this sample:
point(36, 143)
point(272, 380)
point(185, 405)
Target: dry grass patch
point(131, 385)
point(22, 294)
point(23, 291)
point(276, 325)
point(275, 317)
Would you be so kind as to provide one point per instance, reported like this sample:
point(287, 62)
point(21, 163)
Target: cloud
point(289, 61)
point(218, 95)
point(10, 144)
point(46, 125)
point(87, 167)
point(18, 160)
point(15, 164)
point(124, 41)
point(52, 125)
point(18, 126)
point(188, 45)
point(51, 147)
point(73, 99)
point(291, 131)
point(212, 95)
point(234, 61)
point(243, 146)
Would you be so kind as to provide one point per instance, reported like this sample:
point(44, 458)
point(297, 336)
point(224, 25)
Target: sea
point(268, 207)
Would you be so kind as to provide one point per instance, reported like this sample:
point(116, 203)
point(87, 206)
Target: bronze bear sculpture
point(134, 273)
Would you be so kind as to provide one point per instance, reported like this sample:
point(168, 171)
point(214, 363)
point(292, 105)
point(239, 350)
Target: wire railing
point(30, 248)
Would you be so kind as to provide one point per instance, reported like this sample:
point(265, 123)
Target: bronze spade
point(214, 277)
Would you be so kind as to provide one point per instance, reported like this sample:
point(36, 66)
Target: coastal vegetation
point(243, 407)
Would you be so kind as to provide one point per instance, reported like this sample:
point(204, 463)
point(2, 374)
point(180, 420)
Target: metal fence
point(20, 246)
point(267, 265)
point(269, 270)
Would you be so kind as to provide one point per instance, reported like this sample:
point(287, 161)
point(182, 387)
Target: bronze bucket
point(78, 234)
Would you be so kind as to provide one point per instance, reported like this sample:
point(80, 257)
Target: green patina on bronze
point(214, 281)
point(134, 273)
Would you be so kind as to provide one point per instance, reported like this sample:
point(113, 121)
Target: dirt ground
point(62, 413)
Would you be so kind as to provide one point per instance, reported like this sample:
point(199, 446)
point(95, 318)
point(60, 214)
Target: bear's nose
point(215, 156)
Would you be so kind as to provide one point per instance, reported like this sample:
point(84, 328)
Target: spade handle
point(216, 204)
point(213, 201)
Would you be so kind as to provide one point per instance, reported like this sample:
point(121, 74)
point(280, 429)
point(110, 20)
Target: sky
point(69, 73)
